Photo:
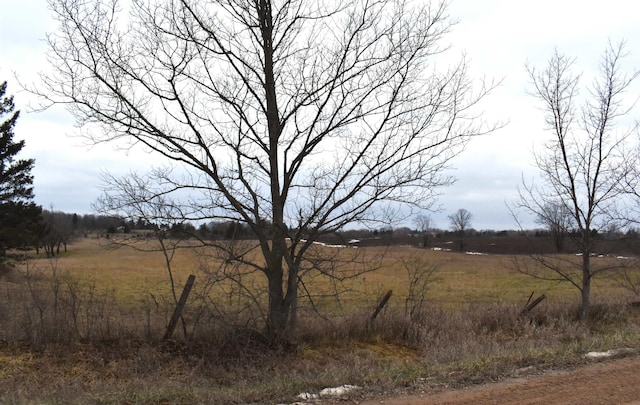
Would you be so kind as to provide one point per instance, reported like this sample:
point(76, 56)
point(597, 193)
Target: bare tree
point(585, 161)
point(423, 223)
point(557, 219)
point(138, 199)
point(420, 274)
point(460, 222)
point(294, 117)
point(58, 231)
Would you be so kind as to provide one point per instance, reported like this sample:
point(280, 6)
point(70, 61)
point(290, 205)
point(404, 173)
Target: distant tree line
point(59, 229)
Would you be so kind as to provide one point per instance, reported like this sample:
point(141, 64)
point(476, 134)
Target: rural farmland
point(88, 327)
point(292, 201)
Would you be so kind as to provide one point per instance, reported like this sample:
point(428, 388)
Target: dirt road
point(605, 382)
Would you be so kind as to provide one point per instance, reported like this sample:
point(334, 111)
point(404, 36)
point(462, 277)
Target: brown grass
point(86, 328)
point(460, 279)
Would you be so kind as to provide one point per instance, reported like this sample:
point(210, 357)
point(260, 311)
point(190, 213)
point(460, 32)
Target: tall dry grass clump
point(43, 306)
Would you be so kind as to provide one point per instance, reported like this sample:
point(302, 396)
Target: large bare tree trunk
point(278, 311)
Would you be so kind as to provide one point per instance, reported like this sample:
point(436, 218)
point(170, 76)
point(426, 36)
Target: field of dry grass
point(458, 279)
point(86, 328)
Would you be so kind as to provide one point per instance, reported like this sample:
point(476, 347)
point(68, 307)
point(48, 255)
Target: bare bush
point(420, 274)
point(228, 296)
point(629, 278)
point(47, 306)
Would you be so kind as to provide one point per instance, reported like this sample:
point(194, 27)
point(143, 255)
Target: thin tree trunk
point(586, 286)
point(292, 301)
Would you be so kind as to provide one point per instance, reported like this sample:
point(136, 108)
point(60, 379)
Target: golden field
point(458, 278)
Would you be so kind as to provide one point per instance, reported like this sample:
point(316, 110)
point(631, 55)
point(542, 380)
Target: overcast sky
point(498, 36)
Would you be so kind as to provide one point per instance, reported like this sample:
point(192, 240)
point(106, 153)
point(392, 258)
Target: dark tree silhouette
point(557, 219)
point(460, 222)
point(20, 219)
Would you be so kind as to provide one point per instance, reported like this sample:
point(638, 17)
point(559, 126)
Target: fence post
point(177, 313)
point(383, 301)
point(532, 304)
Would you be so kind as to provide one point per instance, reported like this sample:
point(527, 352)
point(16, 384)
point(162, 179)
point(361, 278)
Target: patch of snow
point(599, 355)
point(338, 391)
point(328, 245)
point(305, 396)
point(327, 393)
point(476, 253)
point(609, 353)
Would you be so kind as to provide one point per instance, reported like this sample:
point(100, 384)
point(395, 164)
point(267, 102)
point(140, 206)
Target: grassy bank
point(87, 328)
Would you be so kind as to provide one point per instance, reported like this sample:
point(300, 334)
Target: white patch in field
point(609, 353)
point(327, 393)
point(338, 391)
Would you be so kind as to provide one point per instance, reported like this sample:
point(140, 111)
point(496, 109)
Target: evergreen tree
point(20, 218)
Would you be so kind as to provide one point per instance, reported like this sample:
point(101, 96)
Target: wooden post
point(383, 301)
point(532, 304)
point(177, 313)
